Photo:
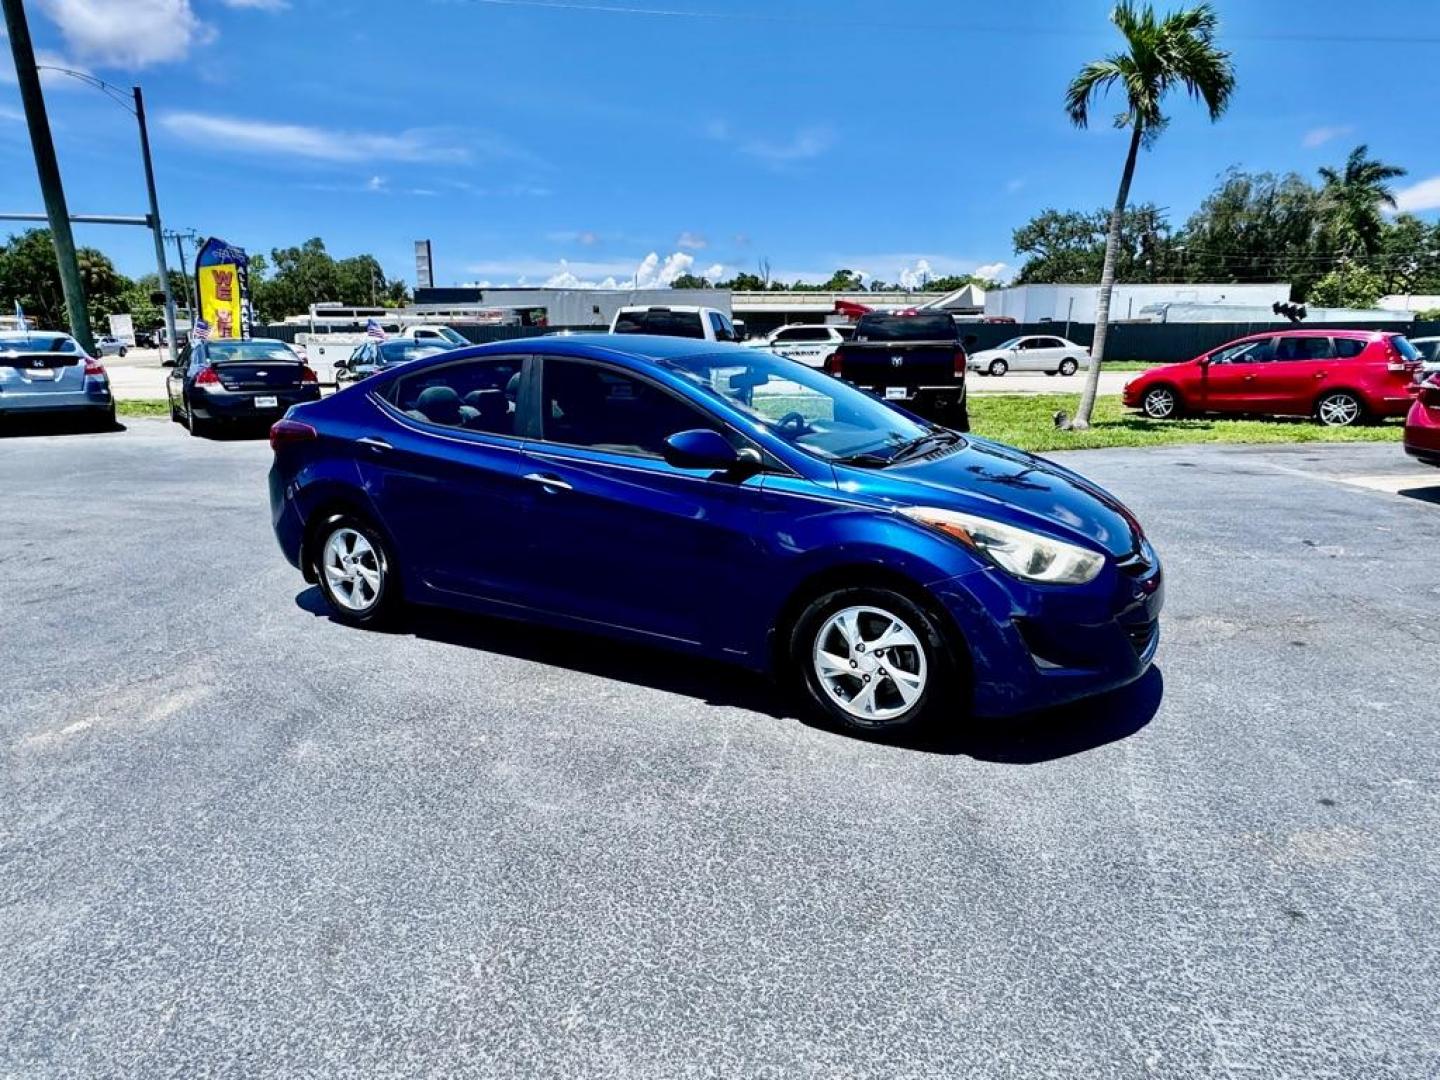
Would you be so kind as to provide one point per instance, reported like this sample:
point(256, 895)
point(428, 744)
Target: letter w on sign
point(224, 284)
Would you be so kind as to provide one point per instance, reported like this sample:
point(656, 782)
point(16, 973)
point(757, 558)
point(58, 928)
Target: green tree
point(1348, 287)
point(1160, 55)
point(1253, 227)
point(1069, 247)
point(30, 276)
point(1352, 200)
point(689, 281)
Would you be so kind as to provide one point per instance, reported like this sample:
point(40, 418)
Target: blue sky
point(572, 140)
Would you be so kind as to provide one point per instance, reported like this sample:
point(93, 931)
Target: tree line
point(843, 280)
point(285, 283)
point(1334, 238)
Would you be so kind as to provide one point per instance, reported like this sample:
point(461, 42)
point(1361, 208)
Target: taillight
point(93, 366)
point(307, 374)
point(285, 432)
point(832, 364)
point(960, 361)
point(207, 376)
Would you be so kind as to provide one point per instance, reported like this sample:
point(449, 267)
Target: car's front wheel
point(1161, 403)
point(1340, 409)
point(998, 368)
point(872, 660)
point(355, 570)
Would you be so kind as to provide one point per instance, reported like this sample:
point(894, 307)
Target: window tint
point(906, 328)
point(1304, 348)
point(721, 327)
point(1247, 352)
point(1348, 347)
point(684, 324)
point(1404, 348)
point(598, 407)
point(478, 395)
point(1051, 343)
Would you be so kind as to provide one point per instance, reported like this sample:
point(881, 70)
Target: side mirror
point(700, 449)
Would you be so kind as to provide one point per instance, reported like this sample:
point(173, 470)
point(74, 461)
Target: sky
point(628, 141)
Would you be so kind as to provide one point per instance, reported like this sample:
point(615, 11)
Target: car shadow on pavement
point(1429, 494)
point(1021, 740)
point(21, 427)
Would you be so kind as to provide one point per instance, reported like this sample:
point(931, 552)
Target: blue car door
point(445, 469)
point(622, 538)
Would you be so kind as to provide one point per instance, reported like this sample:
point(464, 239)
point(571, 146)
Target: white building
point(1410, 303)
point(1077, 303)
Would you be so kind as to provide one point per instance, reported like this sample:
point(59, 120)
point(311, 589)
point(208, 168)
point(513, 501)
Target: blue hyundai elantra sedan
point(725, 501)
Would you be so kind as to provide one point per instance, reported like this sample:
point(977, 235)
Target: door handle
point(549, 480)
point(377, 445)
point(1319, 374)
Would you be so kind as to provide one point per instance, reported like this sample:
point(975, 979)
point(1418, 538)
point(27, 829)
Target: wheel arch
point(332, 503)
point(1367, 407)
point(860, 576)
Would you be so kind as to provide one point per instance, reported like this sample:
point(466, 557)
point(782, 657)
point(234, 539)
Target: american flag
point(201, 330)
point(374, 331)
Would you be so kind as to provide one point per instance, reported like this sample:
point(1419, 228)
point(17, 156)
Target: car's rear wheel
point(998, 368)
point(355, 571)
point(872, 660)
point(1161, 403)
point(198, 427)
point(1068, 366)
point(1340, 409)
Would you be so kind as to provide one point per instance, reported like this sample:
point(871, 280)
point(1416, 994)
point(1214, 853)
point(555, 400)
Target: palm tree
point(1350, 202)
point(1160, 55)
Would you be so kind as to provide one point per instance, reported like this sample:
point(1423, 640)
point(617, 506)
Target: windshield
point(452, 336)
point(1012, 343)
point(660, 321)
point(231, 352)
point(807, 408)
point(397, 352)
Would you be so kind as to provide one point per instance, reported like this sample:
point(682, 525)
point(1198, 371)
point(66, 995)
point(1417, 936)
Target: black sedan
point(376, 356)
point(231, 381)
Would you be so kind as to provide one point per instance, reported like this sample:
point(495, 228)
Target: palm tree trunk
point(1107, 286)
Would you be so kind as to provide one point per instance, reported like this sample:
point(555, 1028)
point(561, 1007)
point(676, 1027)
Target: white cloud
point(993, 271)
point(1015, 185)
point(691, 241)
point(1319, 136)
point(129, 33)
point(258, 5)
point(45, 59)
point(322, 144)
point(716, 272)
point(1422, 196)
point(11, 116)
point(375, 183)
point(652, 272)
point(914, 277)
point(805, 145)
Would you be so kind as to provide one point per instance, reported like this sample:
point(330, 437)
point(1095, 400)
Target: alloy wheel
point(1338, 410)
point(998, 367)
point(870, 663)
point(1067, 367)
point(1160, 403)
point(352, 570)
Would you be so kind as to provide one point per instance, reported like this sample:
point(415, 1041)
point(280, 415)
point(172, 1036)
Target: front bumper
point(239, 405)
point(1034, 647)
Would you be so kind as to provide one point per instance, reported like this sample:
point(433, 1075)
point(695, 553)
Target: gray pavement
point(237, 839)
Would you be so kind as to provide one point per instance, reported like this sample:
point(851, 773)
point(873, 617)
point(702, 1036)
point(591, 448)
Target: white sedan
point(1034, 352)
point(810, 344)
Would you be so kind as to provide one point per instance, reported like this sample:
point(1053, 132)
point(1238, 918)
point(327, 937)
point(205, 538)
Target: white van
point(701, 323)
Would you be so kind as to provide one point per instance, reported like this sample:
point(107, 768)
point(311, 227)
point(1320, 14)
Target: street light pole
point(28, 78)
point(155, 228)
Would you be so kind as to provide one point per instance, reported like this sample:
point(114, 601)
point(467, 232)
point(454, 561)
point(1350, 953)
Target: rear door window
point(1347, 348)
point(685, 324)
point(477, 395)
point(1405, 349)
point(1305, 348)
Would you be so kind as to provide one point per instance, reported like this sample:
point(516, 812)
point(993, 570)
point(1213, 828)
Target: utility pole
point(48, 169)
point(155, 227)
point(185, 276)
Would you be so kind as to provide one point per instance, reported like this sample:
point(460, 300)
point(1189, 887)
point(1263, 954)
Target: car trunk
point(260, 375)
point(898, 363)
point(42, 372)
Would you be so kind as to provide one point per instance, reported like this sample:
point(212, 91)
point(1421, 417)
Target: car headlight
point(1024, 554)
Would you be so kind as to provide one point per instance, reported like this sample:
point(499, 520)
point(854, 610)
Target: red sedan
point(1340, 377)
point(1422, 426)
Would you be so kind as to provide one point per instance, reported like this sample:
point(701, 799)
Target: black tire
point(997, 368)
point(381, 602)
point(1161, 403)
point(1068, 367)
point(175, 417)
point(198, 428)
point(1340, 408)
point(962, 421)
point(123, 350)
point(939, 683)
point(107, 421)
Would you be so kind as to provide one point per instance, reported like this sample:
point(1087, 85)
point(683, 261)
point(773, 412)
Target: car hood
point(987, 354)
point(1008, 485)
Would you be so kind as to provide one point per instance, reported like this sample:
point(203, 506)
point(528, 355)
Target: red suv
point(1340, 377)
point(1422, 426)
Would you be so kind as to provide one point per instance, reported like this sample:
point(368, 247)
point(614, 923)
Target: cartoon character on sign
point(224, 320)
point(224, 286)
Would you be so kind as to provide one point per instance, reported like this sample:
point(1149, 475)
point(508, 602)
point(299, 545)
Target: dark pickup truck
point(915, 361)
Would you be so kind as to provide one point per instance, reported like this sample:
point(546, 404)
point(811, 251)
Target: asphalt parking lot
point(239, 839)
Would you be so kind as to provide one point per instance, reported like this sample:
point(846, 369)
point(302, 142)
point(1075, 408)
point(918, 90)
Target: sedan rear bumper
point(95, 397)
point(242, 405)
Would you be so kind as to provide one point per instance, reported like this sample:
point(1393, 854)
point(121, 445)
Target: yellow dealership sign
point(222, 278)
